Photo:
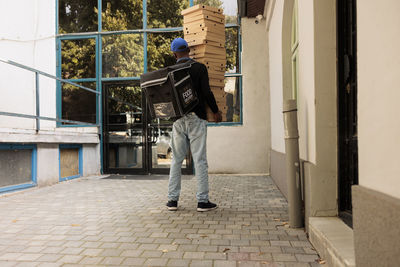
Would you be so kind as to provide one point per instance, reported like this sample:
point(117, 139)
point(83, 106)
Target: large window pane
point(125, 98)
point(78, 58)
point(124, 118)
point(79, 104)
point(123, 55)
point(120, 15)
point(15, 166)
point(231, 45)
point(77, 16)
point(165, 13)
point(231, 99)
point(159, 53)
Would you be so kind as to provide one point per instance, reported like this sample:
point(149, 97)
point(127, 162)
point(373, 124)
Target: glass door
point(123, 128)
point(132, 142)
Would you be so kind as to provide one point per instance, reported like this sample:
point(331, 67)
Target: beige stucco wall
point(245, 148)
point(378, 95)
point(276, 77)
point(280, 75)
point(306, 94)
point(317, 101)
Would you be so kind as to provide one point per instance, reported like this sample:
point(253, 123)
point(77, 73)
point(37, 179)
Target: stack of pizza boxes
point(204, 30)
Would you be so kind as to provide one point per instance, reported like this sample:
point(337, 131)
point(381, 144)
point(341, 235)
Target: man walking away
point(191, 130)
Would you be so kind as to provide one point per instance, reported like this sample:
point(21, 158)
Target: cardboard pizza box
point(201, 7)
point(218, 90)
point(207, 49)
point(195, 29)
point(212, 61)
point(216, 76)
point(207, 55)
point(216, 82)
point(204, 12)
point(211, 25)
point(216, 69)
point(215, 36)
point(203, 17)
point(199, 37)
point(205, 41)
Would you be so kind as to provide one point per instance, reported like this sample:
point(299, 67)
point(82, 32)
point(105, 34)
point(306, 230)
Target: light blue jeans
point(187, 131)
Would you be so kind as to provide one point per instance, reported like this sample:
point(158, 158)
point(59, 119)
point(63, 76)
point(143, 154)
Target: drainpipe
point(292, 163)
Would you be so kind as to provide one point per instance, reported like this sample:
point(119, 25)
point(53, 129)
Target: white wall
point(27, 36)
point(245, 149)
point(378, 38)
point(306, 94)
point(276, 78)
point(48, 164)
point(306, 76)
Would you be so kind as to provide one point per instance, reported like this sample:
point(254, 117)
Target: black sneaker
point(206, 206)
point(172, 205)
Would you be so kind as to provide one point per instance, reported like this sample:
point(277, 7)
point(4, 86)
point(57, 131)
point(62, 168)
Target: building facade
point(338, 60)
point(71, 102)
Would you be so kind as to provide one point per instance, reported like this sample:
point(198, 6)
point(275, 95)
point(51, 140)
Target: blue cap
point(179, 45)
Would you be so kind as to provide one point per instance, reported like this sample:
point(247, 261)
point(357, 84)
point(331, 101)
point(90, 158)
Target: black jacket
point(198, 73)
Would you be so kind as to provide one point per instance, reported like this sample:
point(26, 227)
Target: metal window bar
point(37, 117)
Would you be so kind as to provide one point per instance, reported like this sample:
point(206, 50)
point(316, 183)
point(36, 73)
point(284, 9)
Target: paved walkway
point(124, 222)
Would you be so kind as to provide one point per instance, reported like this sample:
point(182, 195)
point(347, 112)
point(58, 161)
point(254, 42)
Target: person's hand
point(217, 117)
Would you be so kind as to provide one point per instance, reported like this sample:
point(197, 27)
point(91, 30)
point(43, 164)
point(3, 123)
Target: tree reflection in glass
point(119, 15)
point(77, 16)
point(123, 55)
point(78, 58)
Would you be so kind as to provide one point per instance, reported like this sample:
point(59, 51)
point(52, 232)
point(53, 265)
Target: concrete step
point(333, 240)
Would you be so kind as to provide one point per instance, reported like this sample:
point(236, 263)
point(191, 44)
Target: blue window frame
point(80, 161)
point(138, 37)
point(33, 161)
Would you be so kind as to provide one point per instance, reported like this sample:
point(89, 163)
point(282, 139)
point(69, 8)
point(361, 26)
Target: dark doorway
point(347, 105)
point(132, 142)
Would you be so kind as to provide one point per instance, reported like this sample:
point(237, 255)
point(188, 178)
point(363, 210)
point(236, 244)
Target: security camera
point(258, 19)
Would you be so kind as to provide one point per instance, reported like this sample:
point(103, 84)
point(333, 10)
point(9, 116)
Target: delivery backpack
point(169, 91)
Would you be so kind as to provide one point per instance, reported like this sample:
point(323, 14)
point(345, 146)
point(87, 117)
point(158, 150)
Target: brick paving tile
point(193, 255)
point(201, 263)
point(70, 259)
point(173, 254)
point(155, 262)
point(29, 257)
point(91, 260)
point(50, 264)
point(124, 222)
point(306, 258)
point(224, 263)
point(27, 264)
point(50, 257)
point(8, 263)
point(239, 256)
point(293, 250)
point(249, 264)
point(298, 264)
point(178, 263)
point(133, 261)
point(112, 261)
point(215, 256)
point(284, 257)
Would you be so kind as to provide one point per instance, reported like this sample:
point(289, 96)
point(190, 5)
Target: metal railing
point(37, 117)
